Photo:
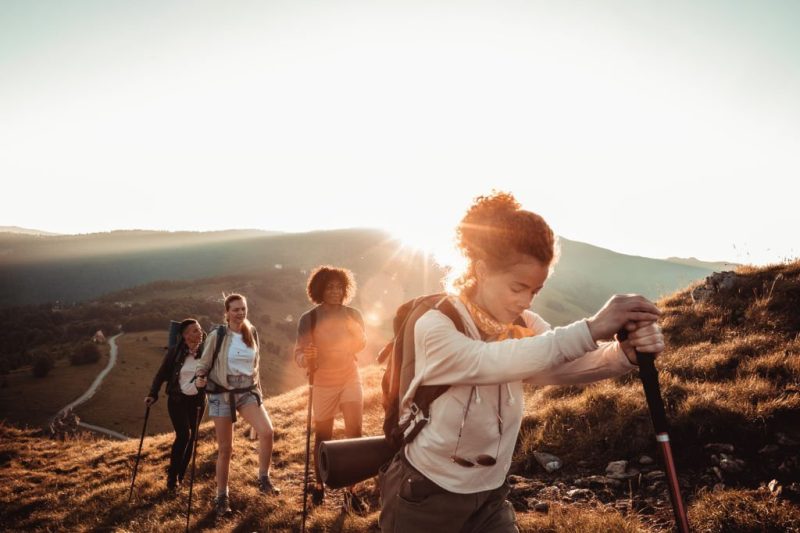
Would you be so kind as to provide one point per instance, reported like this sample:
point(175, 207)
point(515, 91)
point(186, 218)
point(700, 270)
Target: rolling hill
point(75, 268)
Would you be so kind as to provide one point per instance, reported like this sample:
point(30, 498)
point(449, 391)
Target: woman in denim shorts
point(233, 385)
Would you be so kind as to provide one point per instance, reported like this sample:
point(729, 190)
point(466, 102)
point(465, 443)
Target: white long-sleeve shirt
point(564, 355)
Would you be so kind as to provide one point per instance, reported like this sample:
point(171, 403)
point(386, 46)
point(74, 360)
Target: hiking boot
point(222, 505)
point(172, 484)
point(265, 485)
point(317, 495)
point(353, 503)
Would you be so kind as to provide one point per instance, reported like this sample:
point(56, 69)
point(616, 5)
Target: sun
point(432, 242)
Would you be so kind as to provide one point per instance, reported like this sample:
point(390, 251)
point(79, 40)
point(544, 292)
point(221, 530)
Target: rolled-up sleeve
point(208, 353)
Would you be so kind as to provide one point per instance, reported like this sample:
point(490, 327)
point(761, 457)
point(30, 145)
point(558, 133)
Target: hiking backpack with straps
point(400, 354)
point(400, 369)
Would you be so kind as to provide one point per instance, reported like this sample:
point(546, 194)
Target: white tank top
point(241, 357)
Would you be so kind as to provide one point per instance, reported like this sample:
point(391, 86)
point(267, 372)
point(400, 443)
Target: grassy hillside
point(730, 378)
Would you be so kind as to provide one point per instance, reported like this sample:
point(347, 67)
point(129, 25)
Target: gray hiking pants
point(410, 502)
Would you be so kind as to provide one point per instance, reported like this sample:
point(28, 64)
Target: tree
point(42, 365)
point(85, 354)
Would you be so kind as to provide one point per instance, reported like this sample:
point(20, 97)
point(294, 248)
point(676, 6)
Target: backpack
point(399, 352)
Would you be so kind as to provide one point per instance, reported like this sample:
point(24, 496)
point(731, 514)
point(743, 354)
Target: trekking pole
point(194, 455)
point(652, 392)
point(308, 446)
point(139, 453)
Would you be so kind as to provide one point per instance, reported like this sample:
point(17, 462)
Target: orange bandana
point(491, 328)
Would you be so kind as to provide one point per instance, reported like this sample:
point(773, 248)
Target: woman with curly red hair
point(329, 337)
point(452, 476)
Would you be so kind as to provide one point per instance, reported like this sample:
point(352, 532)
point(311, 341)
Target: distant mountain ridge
point(717, 266)
point(25, 231)
point(73, 268)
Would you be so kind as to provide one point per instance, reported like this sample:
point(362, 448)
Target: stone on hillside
point(717, 472)
point(769, 449)
point(732, 466)
point(719, 487)
point(550, 493)
point(514, 479)
point(719, 447)
point(617, 467)
point(716, 282)
point(580, 494)
point(541, 507)
point(775, 487)
point(548, 461)
point(654, 475)
point(620, 470)
point(598, 482)
point(646, 460)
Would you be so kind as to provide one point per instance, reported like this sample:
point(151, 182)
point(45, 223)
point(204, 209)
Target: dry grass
point(574, 519)
point(740, 511)
point(82, 484)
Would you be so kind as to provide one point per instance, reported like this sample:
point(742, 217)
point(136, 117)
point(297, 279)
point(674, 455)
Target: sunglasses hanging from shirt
point(482, 459)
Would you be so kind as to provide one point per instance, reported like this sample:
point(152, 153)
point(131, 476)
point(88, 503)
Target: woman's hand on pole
point(619, 311)
point(200, 381)
point(644, 337)
point(310, 357)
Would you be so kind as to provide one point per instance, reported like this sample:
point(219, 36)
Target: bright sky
point(651, 128)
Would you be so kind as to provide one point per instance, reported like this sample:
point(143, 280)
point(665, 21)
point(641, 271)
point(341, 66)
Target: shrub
point(85, 354)
point(42, 365)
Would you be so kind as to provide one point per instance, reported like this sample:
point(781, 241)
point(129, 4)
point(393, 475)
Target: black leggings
point(183, 413)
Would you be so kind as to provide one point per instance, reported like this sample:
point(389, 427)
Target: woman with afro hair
point(452, 476)
point(329, 337)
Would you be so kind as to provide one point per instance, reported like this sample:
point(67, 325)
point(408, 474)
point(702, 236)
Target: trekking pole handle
point(652, 390)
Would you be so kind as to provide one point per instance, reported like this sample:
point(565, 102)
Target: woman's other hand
point(645, 337)
point(200, 381)
point(310, 357)
point(618, 311)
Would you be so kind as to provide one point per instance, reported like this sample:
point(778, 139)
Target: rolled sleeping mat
point(345, 462)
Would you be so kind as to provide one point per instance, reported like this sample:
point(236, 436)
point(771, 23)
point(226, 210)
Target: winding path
point(83, 398)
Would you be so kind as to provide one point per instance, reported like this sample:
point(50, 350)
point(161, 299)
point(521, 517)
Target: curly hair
point(496, 230)
point(324, 274)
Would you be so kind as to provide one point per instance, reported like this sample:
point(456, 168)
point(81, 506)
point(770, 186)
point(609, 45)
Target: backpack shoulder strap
point(446, 307)
point(425, 395)
point(220, 337)
point(312, 317)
